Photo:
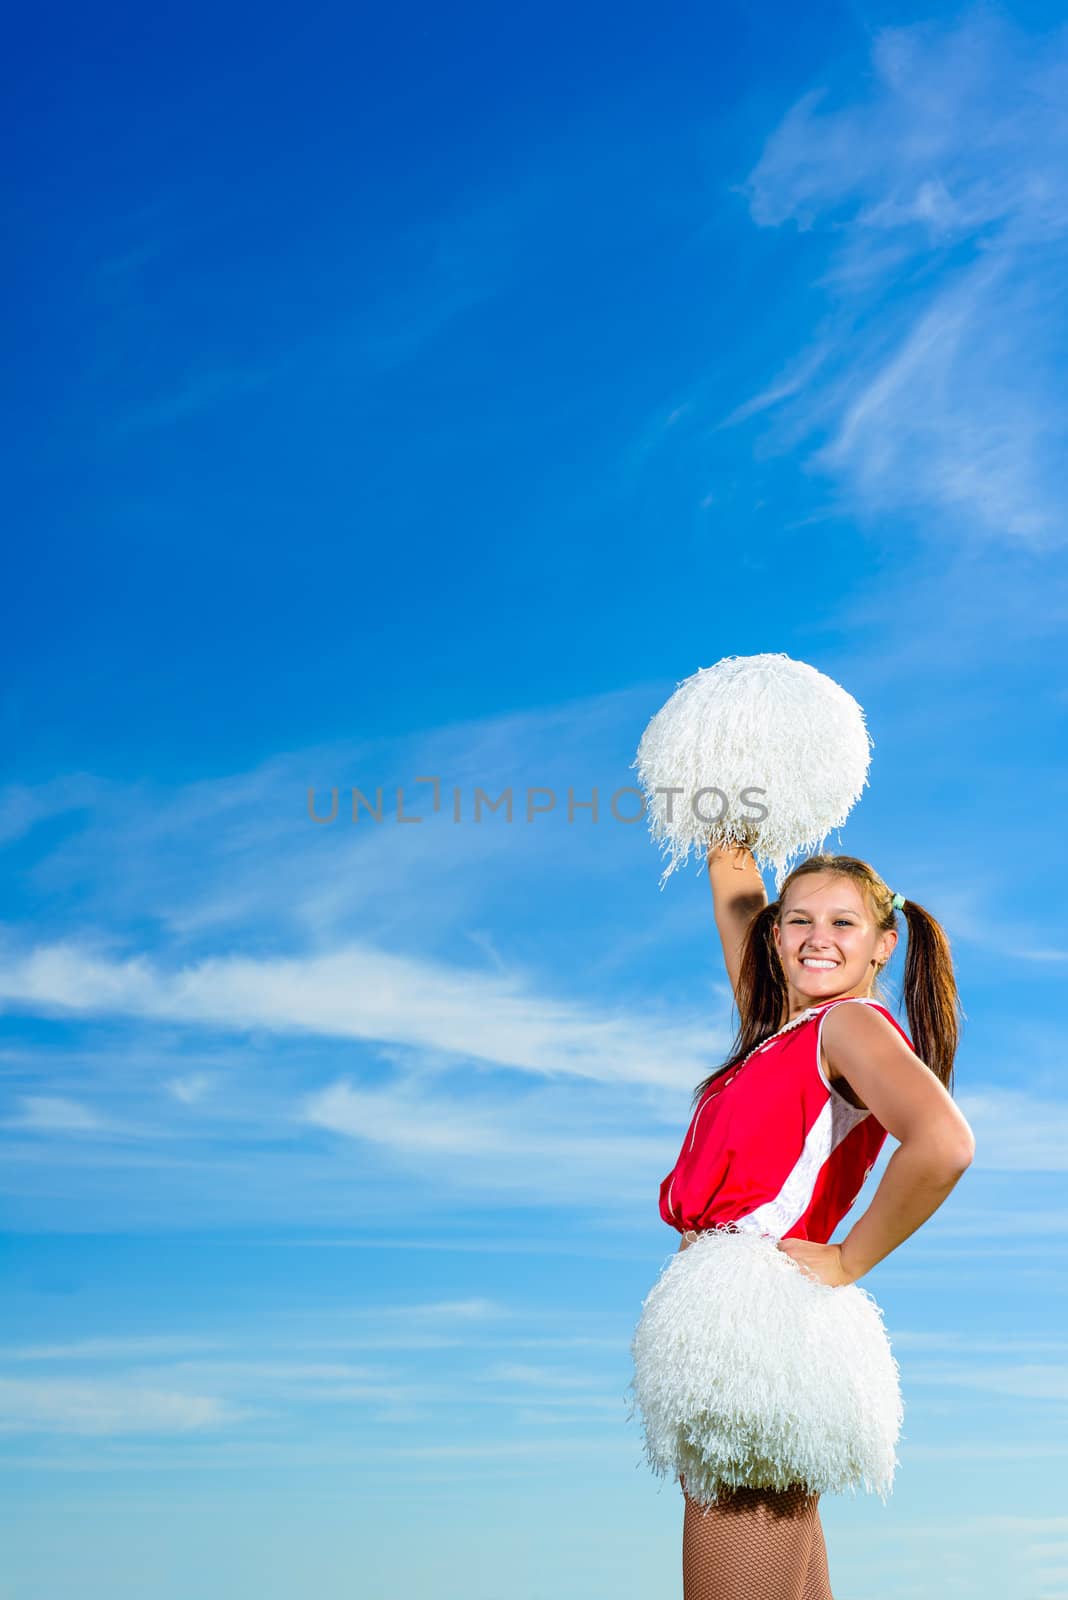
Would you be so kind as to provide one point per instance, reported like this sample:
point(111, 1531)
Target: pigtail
point(761, 995)
point(930, 993)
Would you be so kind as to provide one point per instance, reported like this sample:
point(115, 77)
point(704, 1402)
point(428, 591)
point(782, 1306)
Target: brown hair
point(930, 988)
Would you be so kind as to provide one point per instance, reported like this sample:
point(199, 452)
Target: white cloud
point(980, 1450)
point(478, 1135)
point(943, 194)
point(1016, 1132)
point(101, 1406)
point(360, 992)
point(1022, 1381)
point(110, 1348)
point(23, 805)
point(969, 1344)
point(461, 1315)
point(43, 1113)
point(190, 1089)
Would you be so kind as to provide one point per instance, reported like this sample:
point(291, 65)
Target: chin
point(823, 986)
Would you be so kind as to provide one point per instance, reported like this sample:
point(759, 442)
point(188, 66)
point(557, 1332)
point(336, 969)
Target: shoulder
point(853, 1026)
point(867, 1048)
point(855, 1037)
point(829, 1068)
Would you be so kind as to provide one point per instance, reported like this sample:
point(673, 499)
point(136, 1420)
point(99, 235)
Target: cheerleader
point(762, 1369)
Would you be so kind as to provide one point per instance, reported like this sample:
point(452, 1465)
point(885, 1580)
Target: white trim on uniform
point(861, 999)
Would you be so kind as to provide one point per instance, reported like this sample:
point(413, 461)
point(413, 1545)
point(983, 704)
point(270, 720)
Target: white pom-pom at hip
point(747, 1371)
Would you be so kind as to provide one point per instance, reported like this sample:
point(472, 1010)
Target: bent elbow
point(966, 1155)
point(958, 1153)
point(948, 1151)
point(961, 1140)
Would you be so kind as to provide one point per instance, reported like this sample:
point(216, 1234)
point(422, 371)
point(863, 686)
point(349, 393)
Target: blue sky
point(394, 397)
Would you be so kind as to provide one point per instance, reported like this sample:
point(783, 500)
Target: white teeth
point(820, 966)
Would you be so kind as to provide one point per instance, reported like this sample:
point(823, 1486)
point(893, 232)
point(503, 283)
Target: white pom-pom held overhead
point(756, 749)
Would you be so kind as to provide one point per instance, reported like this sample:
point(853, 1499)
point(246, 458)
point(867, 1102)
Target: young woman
point(759, 1390)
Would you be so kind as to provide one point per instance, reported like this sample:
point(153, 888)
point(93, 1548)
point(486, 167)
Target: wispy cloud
point(1021, 1381)
point(191, 1089)
point(943, 196)
point(102, 1406)
point(447, 1016)
point(296, 1085)
point(1015, 1131)
point(51, 1114)
point(968, 1344)
point(196, 391)
point(426, 275)
point(23, 805)
point(109, 1349)
point(175, 1383)
point(361, 992)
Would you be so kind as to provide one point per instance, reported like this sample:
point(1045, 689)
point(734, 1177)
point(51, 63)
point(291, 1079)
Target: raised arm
point(738, 893)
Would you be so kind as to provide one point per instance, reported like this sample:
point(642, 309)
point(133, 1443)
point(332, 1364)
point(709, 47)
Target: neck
point(797, 1004)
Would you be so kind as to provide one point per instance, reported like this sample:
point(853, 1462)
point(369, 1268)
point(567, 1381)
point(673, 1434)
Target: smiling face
point(827, 940)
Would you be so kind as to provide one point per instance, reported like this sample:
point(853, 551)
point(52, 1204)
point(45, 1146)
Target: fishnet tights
point(755, 1544)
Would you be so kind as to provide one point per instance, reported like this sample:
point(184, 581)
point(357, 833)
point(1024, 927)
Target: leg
point(818, 1578)
point(755, 1544)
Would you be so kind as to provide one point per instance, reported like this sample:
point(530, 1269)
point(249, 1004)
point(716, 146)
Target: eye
point(797, 922)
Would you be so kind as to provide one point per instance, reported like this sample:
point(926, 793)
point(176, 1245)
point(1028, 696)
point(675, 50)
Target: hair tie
point(898, 901)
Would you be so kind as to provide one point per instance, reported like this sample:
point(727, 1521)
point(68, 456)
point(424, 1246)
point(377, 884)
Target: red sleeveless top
point(772, 1146)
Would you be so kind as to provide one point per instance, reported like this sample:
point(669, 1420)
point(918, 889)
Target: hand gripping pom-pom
point(753, 731)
